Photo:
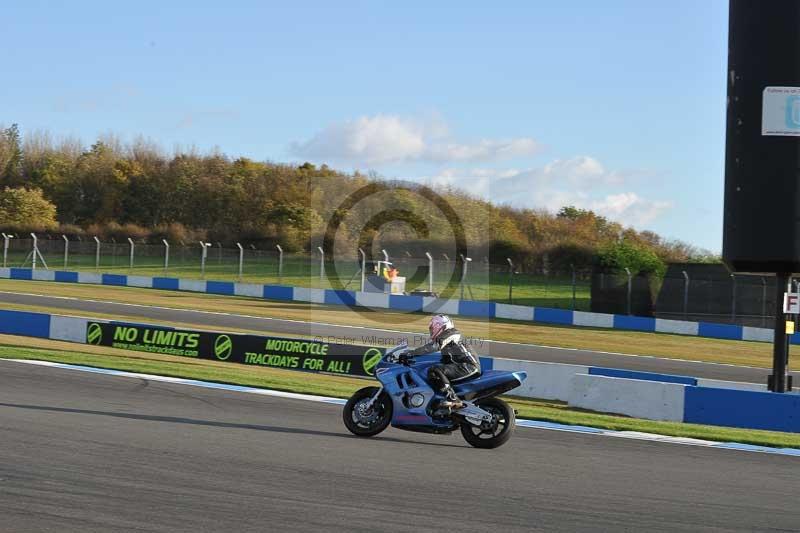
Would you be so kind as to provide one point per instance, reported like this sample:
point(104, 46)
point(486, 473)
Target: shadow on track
point(212, 423)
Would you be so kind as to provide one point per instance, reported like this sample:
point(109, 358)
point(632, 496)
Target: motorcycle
point(406, 401)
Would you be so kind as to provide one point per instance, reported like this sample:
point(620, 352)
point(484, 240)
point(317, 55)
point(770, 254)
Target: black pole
point(777, 381)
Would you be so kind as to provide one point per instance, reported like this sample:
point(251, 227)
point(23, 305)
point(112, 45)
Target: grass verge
point(343, 387)
point(757, 354)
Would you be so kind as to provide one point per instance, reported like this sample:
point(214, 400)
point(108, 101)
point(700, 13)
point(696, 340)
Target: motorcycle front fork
point(374, 398)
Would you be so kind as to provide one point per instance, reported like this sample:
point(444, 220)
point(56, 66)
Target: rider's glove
point(404, 359)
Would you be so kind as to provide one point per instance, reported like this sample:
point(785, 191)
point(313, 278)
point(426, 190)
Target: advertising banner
point(276, 352)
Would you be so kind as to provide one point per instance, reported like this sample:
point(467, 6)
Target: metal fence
point(706, 293)
point(687, 292)
point(459, 277)
point(745, 299)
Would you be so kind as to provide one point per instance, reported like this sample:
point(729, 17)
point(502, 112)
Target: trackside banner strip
point(255, 350)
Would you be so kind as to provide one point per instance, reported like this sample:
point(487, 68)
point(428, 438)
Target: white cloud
point(580, 181)
point(393, 139)
point(572, 176)
point(630, 208)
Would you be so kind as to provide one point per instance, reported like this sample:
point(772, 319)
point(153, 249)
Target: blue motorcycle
point(407, 401)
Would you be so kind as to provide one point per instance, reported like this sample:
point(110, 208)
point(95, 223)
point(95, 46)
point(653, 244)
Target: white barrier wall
point(594, 320)
point(192, 285)
point(90, 278)
point(140, 281)
point(252, 290)
point(678, 327)
point(548, 381)
point(43, 275)
point(69, 328)
point(641, 399)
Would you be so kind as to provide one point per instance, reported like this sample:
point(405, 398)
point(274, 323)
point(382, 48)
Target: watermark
point(377, 205)
point(388, 341)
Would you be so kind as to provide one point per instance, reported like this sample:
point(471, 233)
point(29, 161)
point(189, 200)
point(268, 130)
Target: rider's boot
point(451, 400)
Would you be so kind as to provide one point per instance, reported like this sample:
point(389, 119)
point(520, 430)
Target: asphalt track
point(362, 335)
point(96, 453)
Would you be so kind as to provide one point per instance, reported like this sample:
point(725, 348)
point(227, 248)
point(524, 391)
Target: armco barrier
point(640, 394)
point(410, 303)
point(744, 409)
point(641, 399)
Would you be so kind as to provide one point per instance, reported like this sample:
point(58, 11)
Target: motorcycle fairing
point(403, 382)
point(489, 383)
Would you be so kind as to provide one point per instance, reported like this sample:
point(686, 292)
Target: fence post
point(363, 267)
point(280, 263)
point(628, 272)
point(5, 248)
point(66, 250)
point(733, 298)
point(241, 260)
point(203, 254)
point(321, 264)
point(685, 294)
point(166, 255)
point(464, 261)
point(430, 272)
point(574, 284)
point(35, 250)
point(130, 241)
point(97, 254)
point(510, 280)
point(763, 301)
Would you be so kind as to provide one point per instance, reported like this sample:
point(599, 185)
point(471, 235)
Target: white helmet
point(438, 325)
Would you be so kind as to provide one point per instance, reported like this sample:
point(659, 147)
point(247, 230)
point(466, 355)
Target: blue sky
point(617, 106)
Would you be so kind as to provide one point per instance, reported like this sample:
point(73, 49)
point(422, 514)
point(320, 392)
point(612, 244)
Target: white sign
point(791, 303)
point(780, 111)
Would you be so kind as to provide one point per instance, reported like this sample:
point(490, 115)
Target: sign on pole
point(791, 303)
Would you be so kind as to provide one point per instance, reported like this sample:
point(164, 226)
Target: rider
point(458, 362)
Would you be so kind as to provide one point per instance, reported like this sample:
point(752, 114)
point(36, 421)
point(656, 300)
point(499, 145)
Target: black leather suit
point(458, 361)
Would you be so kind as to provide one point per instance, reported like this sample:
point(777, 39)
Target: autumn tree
point(26, 208)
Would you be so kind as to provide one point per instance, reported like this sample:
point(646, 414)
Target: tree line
point(116, 189)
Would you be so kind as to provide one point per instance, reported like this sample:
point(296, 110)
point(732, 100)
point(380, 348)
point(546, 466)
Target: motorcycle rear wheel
point(365, 422)
point(498, 432)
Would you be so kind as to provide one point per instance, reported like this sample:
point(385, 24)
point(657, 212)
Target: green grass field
point(343, 387)
point(299, 271)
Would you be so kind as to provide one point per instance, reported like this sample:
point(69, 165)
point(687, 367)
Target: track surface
point(86, 452)
point(356, 334)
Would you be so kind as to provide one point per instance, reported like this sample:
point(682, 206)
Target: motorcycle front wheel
point(367, 421)
point(494, 433)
